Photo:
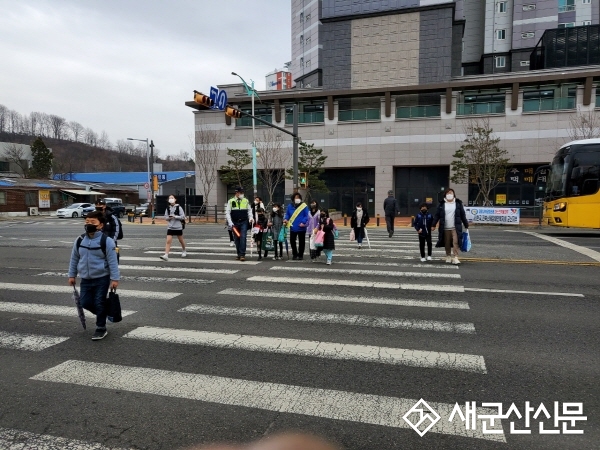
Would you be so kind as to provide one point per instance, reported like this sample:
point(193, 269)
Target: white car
point(74, 210)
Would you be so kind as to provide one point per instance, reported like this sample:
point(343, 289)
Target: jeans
point(358, 234)
point(328, 254)
point(93, 297)
point(389, 221)
point(299, 251)
point(422, 239)
point(240, 242)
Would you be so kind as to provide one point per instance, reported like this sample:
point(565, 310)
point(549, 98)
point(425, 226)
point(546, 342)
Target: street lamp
point(251, 92)
point(149, 156)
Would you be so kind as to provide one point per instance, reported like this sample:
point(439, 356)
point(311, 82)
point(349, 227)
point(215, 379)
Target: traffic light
point(303, 180)
point(203, 100)
point(232, 112)
point(155, 183)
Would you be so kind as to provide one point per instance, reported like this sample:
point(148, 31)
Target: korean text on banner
point(507, 216)
point(44, 198)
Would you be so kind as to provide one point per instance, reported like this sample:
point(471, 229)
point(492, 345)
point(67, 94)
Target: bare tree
point(206, 149)
point(480, 159)
point(57, 125)
point(274, 160)
point(14, 122)
point(3, 118)
point(16, 154)
point(124, 147)
point(104, 141)
point(90, 137)
point(77, 130)
point(36, 119)
point(584, 125)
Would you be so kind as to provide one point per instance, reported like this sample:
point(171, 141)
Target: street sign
point(219, 97)
point(161, 176)
point(146, 185)
point(149, 196)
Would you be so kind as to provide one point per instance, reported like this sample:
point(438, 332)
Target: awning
point(82, 192)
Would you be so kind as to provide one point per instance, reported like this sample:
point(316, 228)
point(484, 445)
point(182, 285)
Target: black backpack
point(177, 208)
point(102, 244)
point(120, 234)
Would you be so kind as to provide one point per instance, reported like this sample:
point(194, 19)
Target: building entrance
point(415, 185)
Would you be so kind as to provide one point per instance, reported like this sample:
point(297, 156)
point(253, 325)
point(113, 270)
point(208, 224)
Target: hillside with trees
point(76, 148)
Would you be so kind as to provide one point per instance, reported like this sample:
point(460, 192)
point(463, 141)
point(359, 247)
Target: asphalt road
point(218, 350)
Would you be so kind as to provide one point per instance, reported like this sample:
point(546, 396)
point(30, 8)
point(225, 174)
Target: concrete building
point(389, 99)
point(278, 80)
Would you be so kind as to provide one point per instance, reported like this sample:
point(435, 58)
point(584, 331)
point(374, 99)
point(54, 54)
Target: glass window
point(500, 61)
point(587, 22)
point(585, 173)
point(2, 198)
point(54, 197)
point(501, 35)
point(585, 2)
point(566, 25)
point(31, 198)
point(301, 38)
point(501, 7)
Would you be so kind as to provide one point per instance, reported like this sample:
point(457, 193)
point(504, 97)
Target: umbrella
point(80, 312)
point(287, 249)
point(367, 236)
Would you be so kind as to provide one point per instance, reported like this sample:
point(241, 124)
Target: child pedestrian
point(261, 224)
point(423, 223)
point(94, 258)
point(358, 222)
point(276, 222)
point(327, 225)
point(175, 217)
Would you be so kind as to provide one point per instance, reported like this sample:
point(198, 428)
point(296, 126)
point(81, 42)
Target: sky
point(128, 66)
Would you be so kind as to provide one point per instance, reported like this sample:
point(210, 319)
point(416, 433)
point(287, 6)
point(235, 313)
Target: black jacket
point(460, 219)
point(354, 222)
point(329, 240)
point(390, 206)
point(111, 225)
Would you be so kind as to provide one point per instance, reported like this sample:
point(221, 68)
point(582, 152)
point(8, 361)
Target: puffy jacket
point(301, 218)
point(90, 262)
point(460, 219)
point(423, 222)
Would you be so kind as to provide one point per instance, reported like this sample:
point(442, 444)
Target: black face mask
point(424, 211)
point(89, 228)
point(99, 208)
point(323, 218)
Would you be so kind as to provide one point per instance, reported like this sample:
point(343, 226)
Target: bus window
point(585, 173)
point(590, 187)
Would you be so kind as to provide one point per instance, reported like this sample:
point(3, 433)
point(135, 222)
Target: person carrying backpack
point(112, 226)
point(94, 259)
point(175, 217)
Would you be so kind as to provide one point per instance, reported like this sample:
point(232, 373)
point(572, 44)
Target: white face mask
point(275, 209)
point(241, 196)
point(359, 209)
point(256, 202)
point(171, 201)
point(297, 201)
point(449, 197)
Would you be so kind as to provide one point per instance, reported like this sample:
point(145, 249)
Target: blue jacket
point(301, 218)
point(91, 263)
point(423, 222)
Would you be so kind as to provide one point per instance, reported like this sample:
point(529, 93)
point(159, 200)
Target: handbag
point(352, 235)
point(267, 241)
point(319, 238)
point(114, 307)
point(466, 242)
point(281, 237)
point(336, 232)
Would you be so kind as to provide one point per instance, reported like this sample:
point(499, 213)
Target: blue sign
point(161, 176)
point(219, 97)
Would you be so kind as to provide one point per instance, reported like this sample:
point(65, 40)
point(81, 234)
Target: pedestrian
point(314, 218)
point(390, 207)
point(275, 223)
point(258, 203)
point(358, 221)
point(423, 223)
point(239, 216)
point(261, 224)
point(326, 224)
point(451, 216)
point(175, 217)
point(112, 227)
point(296, 219)
point(94, 259)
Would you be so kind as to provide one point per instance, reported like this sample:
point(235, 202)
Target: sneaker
point(99, 334)
point(242, 258)
point(448, 259)
point(359, 245)
point(275, 258)
point(429, 258)
point(231, 244)
point(165, 257)
point(328, 262)
point(423, 259)
point(183, 254)
point(390, 234)
point(260, 258)
point(455, 261)
point(237, 258)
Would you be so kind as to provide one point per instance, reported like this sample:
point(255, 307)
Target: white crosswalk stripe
point(67, 290)
point(32, 342)
point(48, 310)
point(142, 279)
point(177, 269)
point(380, 273)
point(324, 403)
point(12, 439)
point(186, 260)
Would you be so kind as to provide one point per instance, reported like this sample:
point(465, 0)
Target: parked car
point(74, 210)
point(87, 210)
point(118, 209)
point(141, 210)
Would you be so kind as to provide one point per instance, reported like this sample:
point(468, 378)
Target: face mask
point(89, 228)
point(171, 201)
point(241, 196)
point(99, 208)
point(359, 209)
point(275, 209)
point(423, 211)
point(255, 202)
point(313, 205)
point(297, 201)
point(449, 197)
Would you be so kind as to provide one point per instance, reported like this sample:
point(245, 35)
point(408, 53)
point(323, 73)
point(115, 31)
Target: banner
point(44, 197)
point(508, 216)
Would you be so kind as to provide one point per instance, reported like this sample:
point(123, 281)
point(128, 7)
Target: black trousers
point(299, 250)
point(422, 240)
point(389, 221)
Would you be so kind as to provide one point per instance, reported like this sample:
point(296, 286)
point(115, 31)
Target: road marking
point(177, 269)
point(508, 291)
point(17, 439)
point(362, 284)
point(365, 248)
point(31, 342)
point(283, 398)
point(576, 248)
point(143, 279)
point(69, 290)
point(429, 265)
point(316, 349)
point(341, 319)
point(191, 260)
point(350, 299)
point(49, 310)
point(382, 273)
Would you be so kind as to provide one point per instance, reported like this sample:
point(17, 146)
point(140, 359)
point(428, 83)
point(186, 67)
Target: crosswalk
point(290, 310)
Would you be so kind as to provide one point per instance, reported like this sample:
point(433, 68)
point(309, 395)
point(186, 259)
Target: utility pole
point(295, 146)
point(152, 184)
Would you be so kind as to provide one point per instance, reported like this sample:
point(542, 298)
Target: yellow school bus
point(573, 189)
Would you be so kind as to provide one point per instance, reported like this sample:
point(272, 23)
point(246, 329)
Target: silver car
point(74, 210)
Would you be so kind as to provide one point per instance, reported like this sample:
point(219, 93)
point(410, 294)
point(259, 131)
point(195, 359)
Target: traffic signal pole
point(152, 184)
